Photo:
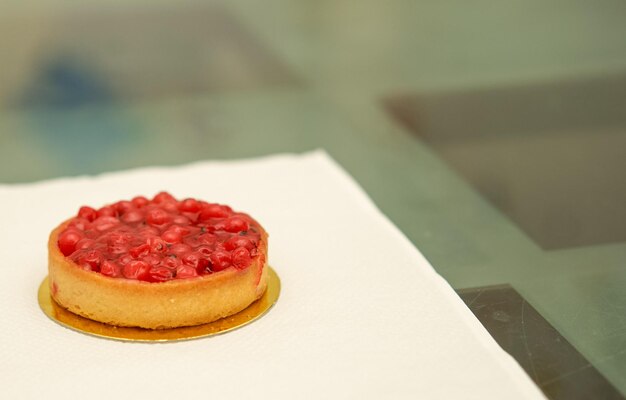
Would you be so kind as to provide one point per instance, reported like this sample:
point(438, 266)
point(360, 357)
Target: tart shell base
point(73, 321)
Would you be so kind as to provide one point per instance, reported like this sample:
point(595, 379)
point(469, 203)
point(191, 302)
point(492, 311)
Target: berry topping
point(190, 205)
point(241, 257)
point(80, 223)
point(236, 224)
point(157, 216)
point(156, 244)
point(160, 274)
point(139, 201)
point(194, 260)
point(238, 241)
point(106, 211)
point(180, 248)
point(85, 243)
point(182, 220)
point(136, 270)
point(152, 259)
point(132, 216)
point(68, 240)
point(160, 239)
point(220, 260)
point(172, 236)
point(90, 260)
point(123, 206)
point(88, 213)
point(185, 271)
point(139, 251)
point(163, 197)
point(213, 211)
point(105, 223)
point(109, 268)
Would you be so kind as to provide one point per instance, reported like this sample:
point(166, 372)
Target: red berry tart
point(159, 263)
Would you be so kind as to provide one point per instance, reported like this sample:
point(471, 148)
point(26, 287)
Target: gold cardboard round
point(70, 320)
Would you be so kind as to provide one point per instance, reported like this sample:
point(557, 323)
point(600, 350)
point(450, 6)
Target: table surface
point(492, 135)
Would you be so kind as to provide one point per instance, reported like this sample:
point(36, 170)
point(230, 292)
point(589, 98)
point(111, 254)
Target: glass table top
point(493, 136)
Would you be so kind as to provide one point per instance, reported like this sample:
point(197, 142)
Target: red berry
point(197, 261)
point(191, 218)
point(132, 216)
point(189, 205)
point(139, 201)
point(106, 211)
point(171, 262)
point(105, 223)
point(185, 271)
point(67, 241)
point(220, 260)
point(203, 266)
point(152, 259)
point(147, 232)
point(163, 197)
point(117, 248)
point(181, 220)
point(85, 243)
point(238, 241)
point(241, 258)
point(192, 259)
point(80, 223)
point(172, 236)
point(119, 237)
point(207, 238)
point(125, 259)
point(123, 207)
point(169, 206)
point(157, 216)
point(236, 224)
point(159, 274)
point(156, 244)
point(179, 248)
point(216, 226)
point(213, 211)
point(183, 230)
point(139, 251)
point(109, 268)
point(136, 270)
point(91, 260)
point(88, 213)
point(205, 250)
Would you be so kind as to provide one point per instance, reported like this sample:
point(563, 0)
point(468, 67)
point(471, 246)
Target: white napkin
point(362, 314)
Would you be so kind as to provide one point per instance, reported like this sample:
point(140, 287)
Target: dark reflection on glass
point(551, 156)
point(549, 359)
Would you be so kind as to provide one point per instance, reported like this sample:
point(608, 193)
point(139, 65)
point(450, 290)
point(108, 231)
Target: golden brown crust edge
point(176, 303)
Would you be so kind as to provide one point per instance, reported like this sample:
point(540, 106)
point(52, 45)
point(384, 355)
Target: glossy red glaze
point(160, 239)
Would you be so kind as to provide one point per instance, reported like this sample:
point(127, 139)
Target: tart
point(159, 263)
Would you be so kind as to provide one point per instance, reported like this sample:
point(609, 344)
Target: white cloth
point(362, 314)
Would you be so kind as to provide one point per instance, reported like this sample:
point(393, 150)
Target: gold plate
point(70, 320)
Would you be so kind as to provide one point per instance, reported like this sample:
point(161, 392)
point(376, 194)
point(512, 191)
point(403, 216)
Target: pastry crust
point(154, 305)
